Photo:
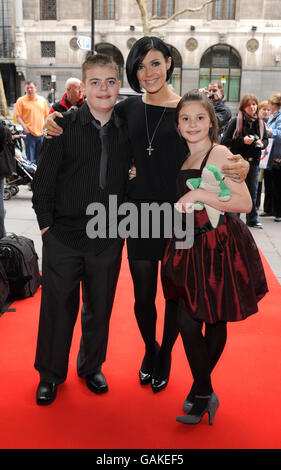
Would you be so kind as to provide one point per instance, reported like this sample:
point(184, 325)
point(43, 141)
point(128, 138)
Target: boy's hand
point(44, 230)
point(132, 172)
point(51, 128)
point(237, 169)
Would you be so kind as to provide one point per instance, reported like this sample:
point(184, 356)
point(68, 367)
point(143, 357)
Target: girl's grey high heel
point(211, 409)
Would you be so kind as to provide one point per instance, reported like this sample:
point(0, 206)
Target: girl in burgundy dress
point(221, 277)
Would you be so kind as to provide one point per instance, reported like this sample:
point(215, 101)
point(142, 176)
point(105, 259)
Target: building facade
point(235, 41)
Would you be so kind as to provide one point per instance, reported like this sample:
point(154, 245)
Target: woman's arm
point(275, 129)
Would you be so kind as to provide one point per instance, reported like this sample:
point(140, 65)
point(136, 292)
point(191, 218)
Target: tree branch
point(143, 9)
point(144, 15)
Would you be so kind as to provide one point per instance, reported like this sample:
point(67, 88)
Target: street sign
point(53, 78)
point(84, 42)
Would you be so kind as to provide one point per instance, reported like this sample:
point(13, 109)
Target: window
point(48, 49)
point(105, 9)
point(46, 82)
point(224, 10)
point(6, 46)
point(48, 9)
point(163, 8)
point(222, 63)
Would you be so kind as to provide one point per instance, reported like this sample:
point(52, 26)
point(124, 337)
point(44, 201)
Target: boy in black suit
point(87, 163)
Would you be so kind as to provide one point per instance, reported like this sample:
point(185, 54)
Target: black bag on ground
point(4, 287)
point(20, 262)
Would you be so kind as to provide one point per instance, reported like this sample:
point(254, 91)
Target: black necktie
point(103, 133)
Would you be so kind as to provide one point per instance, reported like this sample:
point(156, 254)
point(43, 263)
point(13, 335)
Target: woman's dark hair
point(244, 100)
point(196, 95)
point(138, 52)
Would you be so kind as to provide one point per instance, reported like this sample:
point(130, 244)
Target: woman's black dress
point(156, 174)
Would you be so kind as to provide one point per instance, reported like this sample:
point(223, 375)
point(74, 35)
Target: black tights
point(202, 351)
point(145, 274)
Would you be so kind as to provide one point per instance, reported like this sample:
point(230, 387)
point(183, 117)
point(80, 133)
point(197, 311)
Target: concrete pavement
point(20, 219)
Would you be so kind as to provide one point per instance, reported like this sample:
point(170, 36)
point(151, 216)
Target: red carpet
point(247, 381)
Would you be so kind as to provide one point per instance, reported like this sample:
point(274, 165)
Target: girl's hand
point(186, 203)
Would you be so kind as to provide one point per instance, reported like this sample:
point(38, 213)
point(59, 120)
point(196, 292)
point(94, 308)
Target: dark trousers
point(276, 192)
point(63, 269)
point(252, 182)
point(2, 209)
point(267, 205)
point(33, 146)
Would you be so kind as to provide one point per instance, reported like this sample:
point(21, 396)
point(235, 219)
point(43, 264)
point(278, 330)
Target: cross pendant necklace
point(150, 148)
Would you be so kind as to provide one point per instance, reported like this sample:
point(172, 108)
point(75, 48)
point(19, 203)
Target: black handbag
point(20, 262)
point(4, 288)
point(7, 161)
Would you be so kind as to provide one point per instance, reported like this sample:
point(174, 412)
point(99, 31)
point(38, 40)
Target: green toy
point(211, 180)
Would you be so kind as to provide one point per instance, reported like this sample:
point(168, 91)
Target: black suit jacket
point(67, 177)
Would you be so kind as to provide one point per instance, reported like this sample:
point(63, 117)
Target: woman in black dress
point(158, 154)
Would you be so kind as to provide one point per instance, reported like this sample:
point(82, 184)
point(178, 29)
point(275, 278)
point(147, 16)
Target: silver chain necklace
point(150, 148)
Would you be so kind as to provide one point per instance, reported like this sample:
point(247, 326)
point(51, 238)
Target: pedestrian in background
point(274, 131)
point(31, 111)
point(51, 96)
point(264, 174)
point(223, 113)
point(72, 98)
point(246, 134)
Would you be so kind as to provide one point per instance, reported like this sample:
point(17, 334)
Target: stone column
point(18, 13)
point(20, 44)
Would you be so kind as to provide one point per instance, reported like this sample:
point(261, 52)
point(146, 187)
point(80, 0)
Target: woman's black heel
point(159, 383)
point(148, 363)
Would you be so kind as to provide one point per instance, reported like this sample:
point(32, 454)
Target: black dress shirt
point(67, 179)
